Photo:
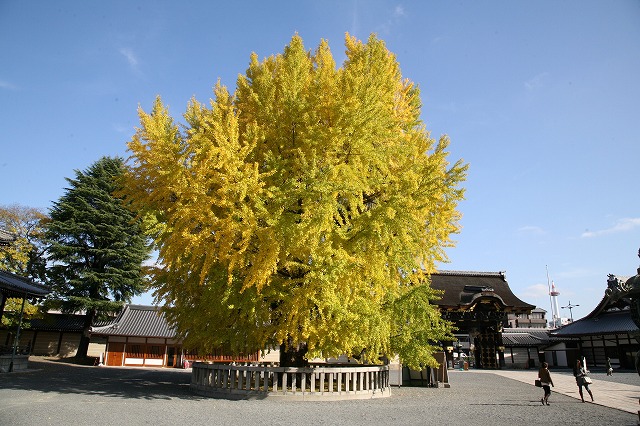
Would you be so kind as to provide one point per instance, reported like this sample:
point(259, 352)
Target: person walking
point(582, 379)
point(608, 367)
point(545, 380)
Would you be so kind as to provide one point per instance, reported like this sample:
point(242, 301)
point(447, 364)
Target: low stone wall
point(309, 383)
point(20, 362)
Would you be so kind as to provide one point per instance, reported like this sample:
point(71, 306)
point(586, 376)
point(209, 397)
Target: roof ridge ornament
point(634, 295)
point(616, 288)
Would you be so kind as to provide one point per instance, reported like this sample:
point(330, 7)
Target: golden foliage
point(299, 208)
point(27, 224)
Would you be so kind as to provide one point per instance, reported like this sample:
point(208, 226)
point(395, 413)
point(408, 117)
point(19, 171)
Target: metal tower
point(555, 310)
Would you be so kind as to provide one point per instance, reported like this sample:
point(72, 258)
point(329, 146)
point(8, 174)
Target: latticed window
point(135, 351)
point(155, 352)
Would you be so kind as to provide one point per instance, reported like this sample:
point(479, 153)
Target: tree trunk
point(293, 356)
point(83, 347)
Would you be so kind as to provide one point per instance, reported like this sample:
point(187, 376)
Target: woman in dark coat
point(581, 372)
point(545, 380)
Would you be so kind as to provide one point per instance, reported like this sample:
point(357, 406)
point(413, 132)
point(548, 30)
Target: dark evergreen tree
point(97, 246)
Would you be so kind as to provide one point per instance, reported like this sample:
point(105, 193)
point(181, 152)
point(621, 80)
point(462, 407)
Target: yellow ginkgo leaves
point(302, 208)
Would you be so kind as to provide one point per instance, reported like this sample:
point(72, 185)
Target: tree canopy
point(306, 208)
point(25, 256)
point(96, 246)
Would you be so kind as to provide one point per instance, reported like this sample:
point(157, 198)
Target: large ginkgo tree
point(305, 210)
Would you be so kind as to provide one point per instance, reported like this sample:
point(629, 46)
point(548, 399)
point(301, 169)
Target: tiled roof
point(463, 288)
point(57, 322)
point(605, 323)
point(529, 337)
point(521, 339)
point(6, 237)
point(13, 285)
point(138, 320)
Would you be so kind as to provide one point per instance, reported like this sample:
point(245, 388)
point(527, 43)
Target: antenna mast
point(550, 299)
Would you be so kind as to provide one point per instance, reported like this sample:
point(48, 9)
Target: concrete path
point(608, 393)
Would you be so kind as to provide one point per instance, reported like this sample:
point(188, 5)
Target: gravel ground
point(54, 393)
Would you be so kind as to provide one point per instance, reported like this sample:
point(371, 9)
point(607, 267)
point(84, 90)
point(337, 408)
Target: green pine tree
point(97, 247)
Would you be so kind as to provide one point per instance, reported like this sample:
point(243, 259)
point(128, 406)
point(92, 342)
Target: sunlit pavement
point(609, 392)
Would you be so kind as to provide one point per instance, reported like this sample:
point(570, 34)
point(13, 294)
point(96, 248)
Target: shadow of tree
point(117, 382)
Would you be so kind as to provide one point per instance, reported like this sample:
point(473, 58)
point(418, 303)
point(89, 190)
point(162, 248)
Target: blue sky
point(540, 98)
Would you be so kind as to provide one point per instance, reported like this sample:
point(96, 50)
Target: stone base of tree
point(305, 384)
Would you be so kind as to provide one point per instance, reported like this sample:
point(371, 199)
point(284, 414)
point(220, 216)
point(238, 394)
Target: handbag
point(538, 383)
point(587, 380)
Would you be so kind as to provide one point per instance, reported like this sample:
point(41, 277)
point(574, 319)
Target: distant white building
point(536, 319)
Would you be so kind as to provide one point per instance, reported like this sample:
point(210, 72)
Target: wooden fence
point(309, 383)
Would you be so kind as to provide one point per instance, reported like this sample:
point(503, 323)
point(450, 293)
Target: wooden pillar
point(17, 339)
point(33, 342)
point(3, 300)
point(59, 343)
point(165, 357)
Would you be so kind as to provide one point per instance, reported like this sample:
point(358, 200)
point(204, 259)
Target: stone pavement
point(606, 390)
point(54, 393)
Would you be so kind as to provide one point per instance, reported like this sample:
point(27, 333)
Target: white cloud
point(535, 291)
point(394, 20)
point(536, 82)
point(622, 225)
point(122, 129)
point(355, 27)
point(6, 85)
point(530, 229)
point(131, 57)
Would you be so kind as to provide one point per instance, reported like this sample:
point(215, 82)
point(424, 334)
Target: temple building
point(607, 332)
point(6, 238)
point(140, 336)
point(479, 304)
point(15, 286)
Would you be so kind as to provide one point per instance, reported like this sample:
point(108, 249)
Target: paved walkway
point(608, 393)
point(59, 394)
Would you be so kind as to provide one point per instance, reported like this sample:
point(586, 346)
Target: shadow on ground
point(49, 376)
